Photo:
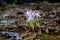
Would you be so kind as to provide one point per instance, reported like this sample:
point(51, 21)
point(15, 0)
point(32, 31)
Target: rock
point(47, 30)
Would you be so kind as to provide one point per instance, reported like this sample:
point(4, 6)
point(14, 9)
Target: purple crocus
point(37, 14)
point(30, 15)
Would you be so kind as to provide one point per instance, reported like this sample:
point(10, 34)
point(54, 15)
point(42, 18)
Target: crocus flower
point(37, 15)
point(30, 15)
